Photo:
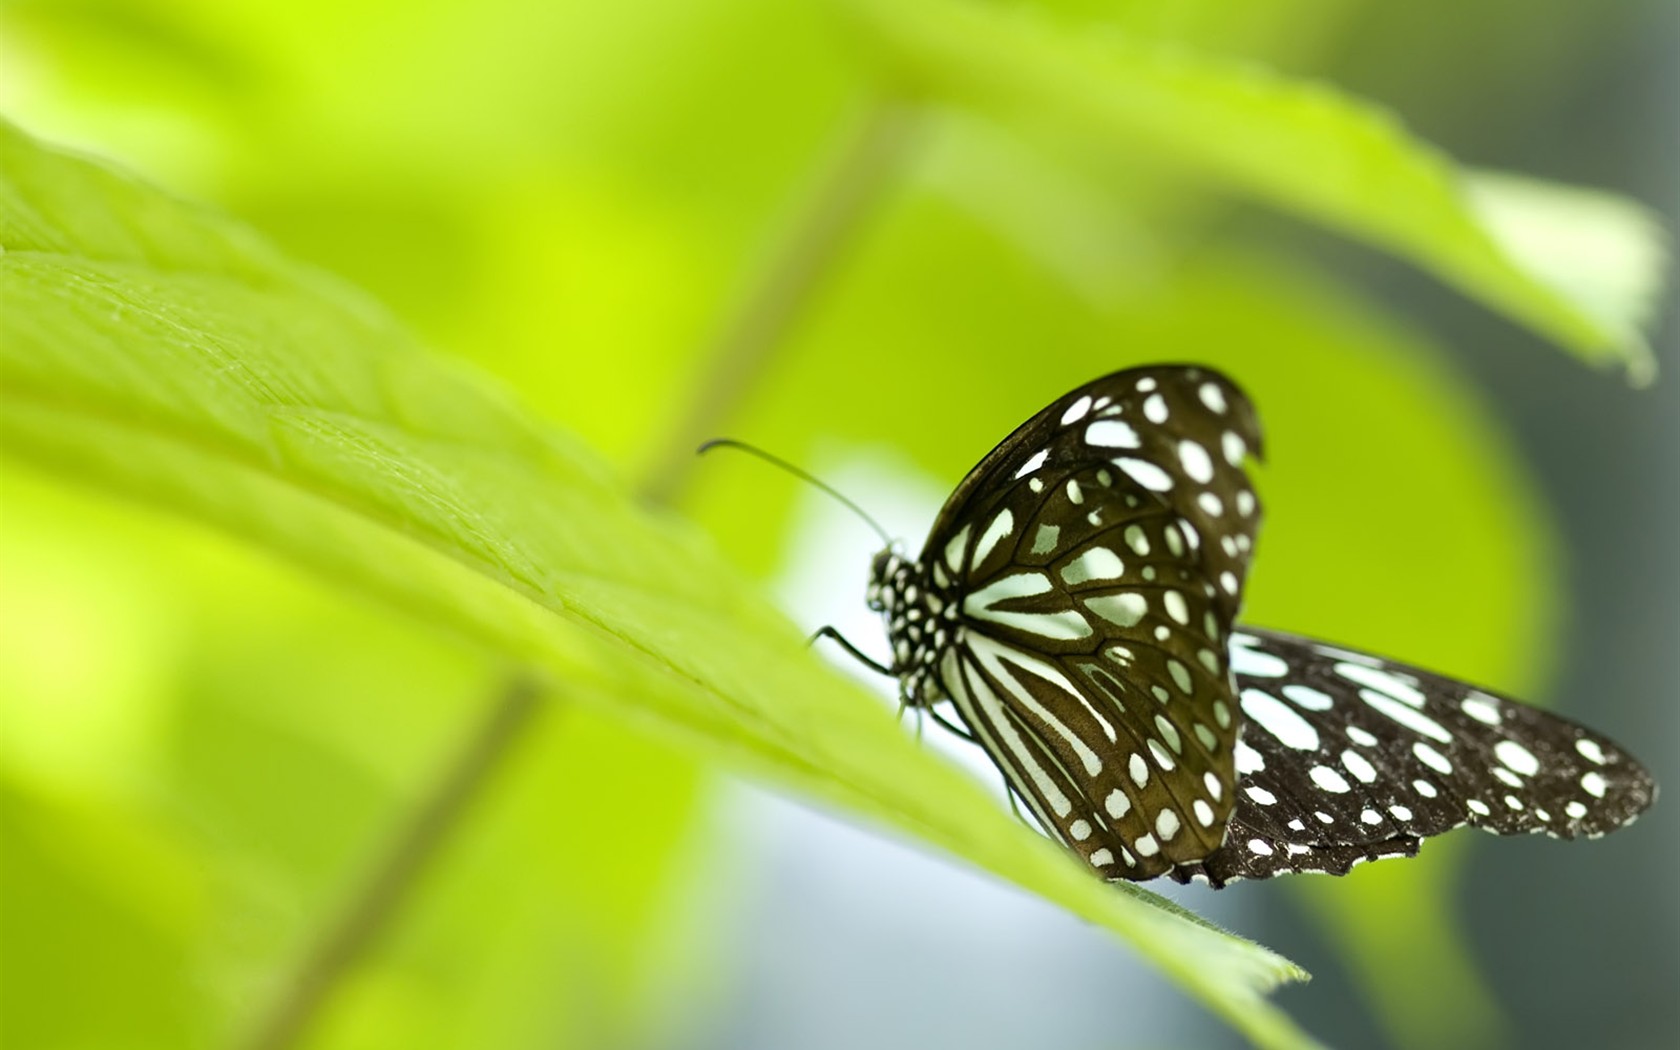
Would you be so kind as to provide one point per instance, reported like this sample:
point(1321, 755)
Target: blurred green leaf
point(160, 351)
point(73, 919)
point(1297, 145)
point(1606, 253)
point(175, 714)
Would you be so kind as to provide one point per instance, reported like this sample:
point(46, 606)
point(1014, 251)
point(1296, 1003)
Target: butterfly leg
point(1015, 807)
point(857, 654)
point(951, 727)
point(905, 705)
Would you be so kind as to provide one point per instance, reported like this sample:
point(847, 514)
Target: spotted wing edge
point(1430, 754)
point(1009, 455)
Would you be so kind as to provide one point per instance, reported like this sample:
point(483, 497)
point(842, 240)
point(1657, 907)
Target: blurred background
point(204, 752)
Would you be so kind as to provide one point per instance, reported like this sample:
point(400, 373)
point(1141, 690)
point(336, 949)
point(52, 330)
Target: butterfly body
point(1076, 603)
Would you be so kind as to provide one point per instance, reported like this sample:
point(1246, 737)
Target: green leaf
point(1300, 146)
point(1605, 253)
point(156, 350)
point(197, 780)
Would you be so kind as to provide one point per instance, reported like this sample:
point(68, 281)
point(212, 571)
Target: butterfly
point(1076, 604)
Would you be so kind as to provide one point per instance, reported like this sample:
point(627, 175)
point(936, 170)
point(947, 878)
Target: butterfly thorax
point(920, 623)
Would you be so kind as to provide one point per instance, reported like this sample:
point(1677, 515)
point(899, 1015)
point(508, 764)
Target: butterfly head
point(917, 622)
point(886, 573)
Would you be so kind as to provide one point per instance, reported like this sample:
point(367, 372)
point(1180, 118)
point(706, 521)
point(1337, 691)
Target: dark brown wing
point(1098, 555)
point(1348, 757)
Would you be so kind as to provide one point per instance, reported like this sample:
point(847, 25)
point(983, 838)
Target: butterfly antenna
point(803, 475)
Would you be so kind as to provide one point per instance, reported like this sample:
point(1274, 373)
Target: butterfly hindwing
point(1346, 757)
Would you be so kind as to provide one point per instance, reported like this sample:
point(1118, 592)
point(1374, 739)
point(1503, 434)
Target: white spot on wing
point(1308, 697)
point(1034, 463)
point(1044, 540)
point(1098, 563)
point(1356, 763)
point(1136, 540)
point(1118, 804)
point(1432, 758)
point(1517, 758)
point(1180, 676)
point(1122, 610)
point(1233, 447)
point(1280, 720)
point(1162, 759)
point(1111, 433)
point(1169, 733)
point(1328, 779)
point(1212, 397)
point(1001, 526)
point(1155, 408)
point(1166, 824)
point(1245, 660)
point(1197, 463)
point(1145, 473)
point(1211, 782)
point(954, 549)
point(1414, 720)
point(1076, 411)
point(1382, 681)
point(1592, 783)
point(1015, 585)
point(1175, 541)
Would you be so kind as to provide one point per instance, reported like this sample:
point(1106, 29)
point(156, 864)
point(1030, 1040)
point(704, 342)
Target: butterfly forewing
point(1346, 757)
point(1098, 556)
point(1178, 434)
